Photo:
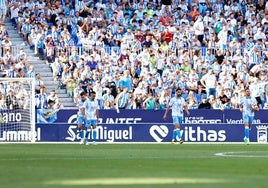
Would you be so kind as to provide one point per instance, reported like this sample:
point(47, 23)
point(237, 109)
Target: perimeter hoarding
point(149, 126)
point(145, 126)
point(153, 133)
point(150, 116)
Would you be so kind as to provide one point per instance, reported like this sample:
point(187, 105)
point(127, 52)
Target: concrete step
point(43, 69)
point(50, 87)
point(40, 66)
point(58, 91)
point(69, 105)
point(47, 79)
point(10, 27)
point(16, 40)
point(63, 95)
point(37, 61)
point(32, 58)
point(14, 35)
point(12, 31)
point(66, 100)
point(46, 74)
point(29, 51)
point(8, 22)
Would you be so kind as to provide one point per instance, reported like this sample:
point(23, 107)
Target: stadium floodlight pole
point(18, 113)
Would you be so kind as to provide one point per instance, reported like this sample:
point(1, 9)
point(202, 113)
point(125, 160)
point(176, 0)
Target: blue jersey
point(91, 107)
point(123, 99)
point(177, 105)
point(80, 105)
point(247, 103)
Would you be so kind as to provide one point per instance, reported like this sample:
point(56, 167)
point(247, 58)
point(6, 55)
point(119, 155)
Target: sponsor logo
point(120, 120)
point(10, 117)
point(72, 133)
point(21, 135)
point(201, 120)
point(109, 134)
point(199, 135)
point(73, 119)
point(240, 121)
point(158, 132)
point(262, 133)
point(191, 134)
point(103, 133)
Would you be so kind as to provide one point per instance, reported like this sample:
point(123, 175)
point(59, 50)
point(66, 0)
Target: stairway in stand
point(40, 66)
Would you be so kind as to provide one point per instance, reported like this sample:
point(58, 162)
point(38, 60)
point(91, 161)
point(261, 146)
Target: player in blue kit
point(177, 104)
point(91, 114)
point(248, 106)
point(80, 117)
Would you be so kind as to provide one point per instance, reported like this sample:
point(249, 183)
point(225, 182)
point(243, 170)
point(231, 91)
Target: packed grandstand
point(135, 53)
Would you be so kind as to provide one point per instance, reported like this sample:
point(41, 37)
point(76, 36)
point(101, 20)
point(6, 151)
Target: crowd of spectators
point(134, 53)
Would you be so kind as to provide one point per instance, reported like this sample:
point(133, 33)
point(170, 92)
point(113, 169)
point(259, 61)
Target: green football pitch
point(134, 165)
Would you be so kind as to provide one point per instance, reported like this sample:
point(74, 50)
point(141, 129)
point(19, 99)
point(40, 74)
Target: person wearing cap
point(177, 104)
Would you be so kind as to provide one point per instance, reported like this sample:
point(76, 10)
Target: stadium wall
point(149, 126)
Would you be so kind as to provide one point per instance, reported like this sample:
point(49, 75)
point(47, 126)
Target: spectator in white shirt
point(209, 81)
point(199, 29)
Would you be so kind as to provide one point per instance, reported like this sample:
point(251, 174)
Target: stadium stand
point(212, 49)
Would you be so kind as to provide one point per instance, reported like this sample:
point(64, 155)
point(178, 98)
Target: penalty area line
point(134, 181)
point(246, 154)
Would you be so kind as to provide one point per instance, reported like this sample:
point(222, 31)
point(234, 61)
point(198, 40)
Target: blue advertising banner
point(137, 126)
point(155, 132)
point(111, 116)
point(235, 117)
point(150, 116)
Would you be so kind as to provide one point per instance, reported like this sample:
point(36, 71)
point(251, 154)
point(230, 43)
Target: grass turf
point(133, 165)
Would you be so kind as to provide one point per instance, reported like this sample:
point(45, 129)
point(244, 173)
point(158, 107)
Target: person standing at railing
point(14, 11)
point(199, 29)
point(122, 99)
point(209, 81)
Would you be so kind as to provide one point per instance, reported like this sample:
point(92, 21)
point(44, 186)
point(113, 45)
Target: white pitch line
point(136, 143)
point(242, 154)
point(106, 157)
point(133, 181)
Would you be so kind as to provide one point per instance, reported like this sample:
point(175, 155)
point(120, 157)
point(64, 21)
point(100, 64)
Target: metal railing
point(107, 50)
